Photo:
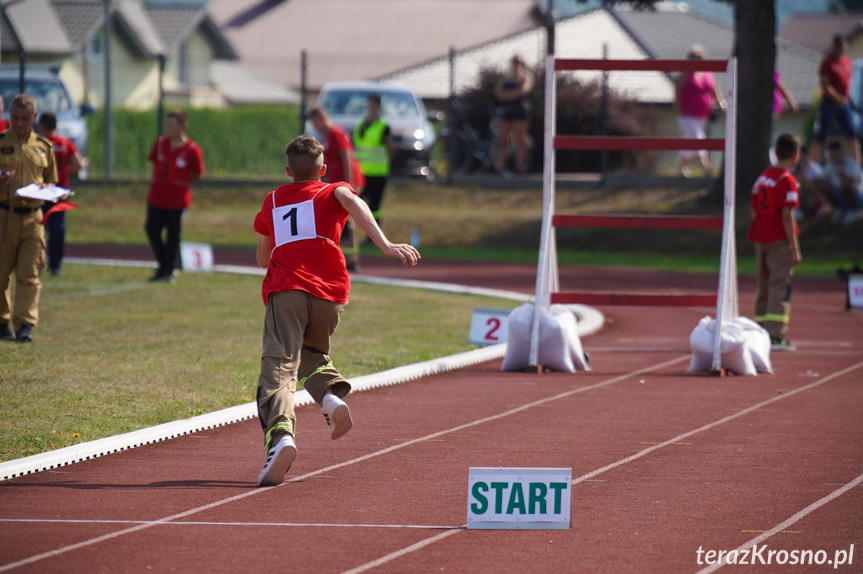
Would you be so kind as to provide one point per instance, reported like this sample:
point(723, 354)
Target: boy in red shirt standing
point(774, 233)
point(305, 290)
point(177, 163)
point(68, 163)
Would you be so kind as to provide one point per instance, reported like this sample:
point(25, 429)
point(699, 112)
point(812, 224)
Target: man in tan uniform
point(25, 158)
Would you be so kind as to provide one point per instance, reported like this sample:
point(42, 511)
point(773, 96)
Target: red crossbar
point(636, 143)
point(639, 221)
point(643, 65)
point(635, 299)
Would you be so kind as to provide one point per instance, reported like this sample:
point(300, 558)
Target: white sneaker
point(781, 345)
point(337, 414)
point(279, 460)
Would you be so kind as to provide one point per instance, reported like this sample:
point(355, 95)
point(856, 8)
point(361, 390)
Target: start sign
point(519, 498)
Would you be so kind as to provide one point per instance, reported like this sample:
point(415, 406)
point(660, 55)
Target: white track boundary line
point(210, 523)
point(422, 544)
point(256, 491)
point(788, 522)
point(589, 321)
point(403, 552)
point(94, 449)
point(716, 423)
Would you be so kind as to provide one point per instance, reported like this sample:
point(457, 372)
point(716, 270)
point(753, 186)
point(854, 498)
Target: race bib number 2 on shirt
point(294, 222)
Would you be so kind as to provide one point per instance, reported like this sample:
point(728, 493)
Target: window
point(96, 47)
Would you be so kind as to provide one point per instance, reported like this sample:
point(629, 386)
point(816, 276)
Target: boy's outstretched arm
point(363, 217)
point(791, 235)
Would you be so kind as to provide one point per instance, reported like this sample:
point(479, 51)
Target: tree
point(755, 48)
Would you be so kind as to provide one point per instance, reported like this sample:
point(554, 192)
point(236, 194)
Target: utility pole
point(109, 110)
point(22, 56)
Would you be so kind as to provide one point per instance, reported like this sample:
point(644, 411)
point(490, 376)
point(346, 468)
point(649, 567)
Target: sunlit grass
point(113, 353)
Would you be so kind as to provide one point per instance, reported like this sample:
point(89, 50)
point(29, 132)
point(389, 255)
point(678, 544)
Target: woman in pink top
point(696, 92)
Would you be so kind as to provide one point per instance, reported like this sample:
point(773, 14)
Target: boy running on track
point(305, 290)
point(774, 233)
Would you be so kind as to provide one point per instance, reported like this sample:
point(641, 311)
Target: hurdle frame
point(548, 277)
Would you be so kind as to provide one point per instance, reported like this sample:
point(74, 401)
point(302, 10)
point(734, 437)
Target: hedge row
point(247, 141)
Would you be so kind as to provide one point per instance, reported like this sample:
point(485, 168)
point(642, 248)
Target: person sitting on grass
point(844, 179)
point(305, 290)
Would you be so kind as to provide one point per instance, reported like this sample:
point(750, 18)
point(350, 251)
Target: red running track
point(664, 463)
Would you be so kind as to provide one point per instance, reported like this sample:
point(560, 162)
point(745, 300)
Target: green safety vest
point(370, 149)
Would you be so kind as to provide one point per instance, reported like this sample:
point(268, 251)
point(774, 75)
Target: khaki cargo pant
point(296, 346)
point(22, 252)
point(773, 287)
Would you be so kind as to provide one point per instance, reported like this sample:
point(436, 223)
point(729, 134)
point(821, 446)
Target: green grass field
point(478, 224)
point(114, 353)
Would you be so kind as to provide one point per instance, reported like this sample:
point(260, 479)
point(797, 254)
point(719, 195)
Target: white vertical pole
point(546, 274)
point(726, 296)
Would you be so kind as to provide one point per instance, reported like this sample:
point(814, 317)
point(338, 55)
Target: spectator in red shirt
point(68, 163)
point(177, 163)
point(342, 165)
point(3, 124)
point(774, 233)
point(835, 107)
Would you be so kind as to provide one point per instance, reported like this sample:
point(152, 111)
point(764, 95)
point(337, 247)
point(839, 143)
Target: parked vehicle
point(412, 133)
point(51, 95)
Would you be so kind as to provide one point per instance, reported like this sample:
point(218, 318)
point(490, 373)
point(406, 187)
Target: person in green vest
point(373, 149)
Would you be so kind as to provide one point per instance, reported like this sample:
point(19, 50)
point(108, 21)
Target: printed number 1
point(494, 322)
point(293, 215)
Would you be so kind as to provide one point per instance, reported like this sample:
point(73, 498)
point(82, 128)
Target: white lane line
point(201, 523)
point(139, 527)
point(399, 553)
point(590, 475)
point(790, 521)
point(714, 424)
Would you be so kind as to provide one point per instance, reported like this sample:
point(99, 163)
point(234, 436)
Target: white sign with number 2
point(488, 326)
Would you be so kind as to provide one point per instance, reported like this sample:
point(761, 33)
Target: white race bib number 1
point(294, 222)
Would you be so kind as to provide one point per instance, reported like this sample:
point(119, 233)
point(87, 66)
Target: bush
point(579, 112)
point(245, 141)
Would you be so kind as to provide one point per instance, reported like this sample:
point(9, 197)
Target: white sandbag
point(518, 326)
point(757, 343)
point(559, 343)
point(734, 355)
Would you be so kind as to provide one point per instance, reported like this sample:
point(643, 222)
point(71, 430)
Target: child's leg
point(316, 371)
point(284, 324)
point(761, 272)
point(778, 290)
